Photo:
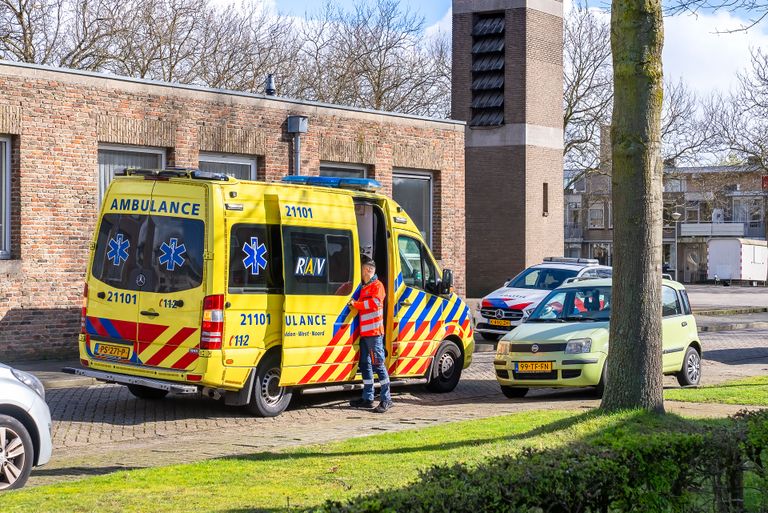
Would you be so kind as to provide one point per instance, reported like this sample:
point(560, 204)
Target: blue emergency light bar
point(357, 184)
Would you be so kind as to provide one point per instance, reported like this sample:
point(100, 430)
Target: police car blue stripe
point(496, 303)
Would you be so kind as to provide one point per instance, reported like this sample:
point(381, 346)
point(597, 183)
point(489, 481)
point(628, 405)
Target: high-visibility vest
point(371, 308)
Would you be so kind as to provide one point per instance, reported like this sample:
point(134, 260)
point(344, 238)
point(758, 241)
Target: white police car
point(503, 309)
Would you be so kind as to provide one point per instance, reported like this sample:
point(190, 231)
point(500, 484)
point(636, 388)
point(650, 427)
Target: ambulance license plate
point(113, 351)
point(499, 322)
point(533, 366)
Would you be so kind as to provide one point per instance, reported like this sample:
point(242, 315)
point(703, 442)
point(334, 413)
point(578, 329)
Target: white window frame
point(344, 166)
point(228, 158)
point(127, 149)
point(5, 190)
point(421, 175)
point(690, 208)
point(610, 214)
point(598, 207)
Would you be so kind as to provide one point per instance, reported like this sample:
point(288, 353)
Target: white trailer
point(736, 259)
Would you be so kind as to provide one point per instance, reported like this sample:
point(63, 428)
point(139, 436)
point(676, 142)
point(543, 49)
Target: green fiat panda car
point(564, 342)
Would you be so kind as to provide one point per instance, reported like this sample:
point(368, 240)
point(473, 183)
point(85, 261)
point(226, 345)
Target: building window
point(242, 168)
point(602, 251)
point(342, 170)
point(113, 159)
point(413, 191)
point(545, 192)
point(578, 185)
point(573, 250)
point(692, 211)
point(748, 210)
point(5, 198)
point(674, 185)
point(597, 217)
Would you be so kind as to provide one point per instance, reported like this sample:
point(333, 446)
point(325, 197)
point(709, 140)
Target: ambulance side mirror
point(447, 284)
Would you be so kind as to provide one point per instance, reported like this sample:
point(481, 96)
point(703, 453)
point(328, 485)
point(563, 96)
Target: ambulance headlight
point(578, 345)
point(31, 381)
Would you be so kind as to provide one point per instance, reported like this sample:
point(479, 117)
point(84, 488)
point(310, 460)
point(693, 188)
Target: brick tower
point(508, 87)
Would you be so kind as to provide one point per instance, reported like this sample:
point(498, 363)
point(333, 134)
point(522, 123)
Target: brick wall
point(57, 119)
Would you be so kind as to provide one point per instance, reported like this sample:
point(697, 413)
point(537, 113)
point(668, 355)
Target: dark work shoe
point(360, 403)
point(383, 406)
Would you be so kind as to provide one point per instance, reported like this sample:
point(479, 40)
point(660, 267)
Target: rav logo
point(310, 266)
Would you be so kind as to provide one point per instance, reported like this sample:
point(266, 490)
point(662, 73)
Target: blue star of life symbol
point(118, 249)
point(255, 254)
point(172, 254)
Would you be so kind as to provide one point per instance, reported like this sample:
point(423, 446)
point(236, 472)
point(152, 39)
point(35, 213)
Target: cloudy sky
point(693, 48)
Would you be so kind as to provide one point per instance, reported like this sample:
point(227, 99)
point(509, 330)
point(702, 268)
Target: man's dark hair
point(366, 260)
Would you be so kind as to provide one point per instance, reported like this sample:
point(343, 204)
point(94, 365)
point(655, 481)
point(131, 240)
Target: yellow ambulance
point(200, 283)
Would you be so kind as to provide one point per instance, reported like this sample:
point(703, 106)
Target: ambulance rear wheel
point(150, 394)
point(268, 398)
point(446, 370)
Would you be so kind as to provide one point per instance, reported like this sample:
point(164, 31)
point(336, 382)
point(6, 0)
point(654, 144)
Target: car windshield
point(582, 304)
point(542, 278)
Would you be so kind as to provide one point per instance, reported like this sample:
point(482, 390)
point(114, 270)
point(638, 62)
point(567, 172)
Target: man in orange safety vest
point(370, 307)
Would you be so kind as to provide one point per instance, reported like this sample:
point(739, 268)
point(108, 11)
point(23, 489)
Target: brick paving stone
point(102, 428)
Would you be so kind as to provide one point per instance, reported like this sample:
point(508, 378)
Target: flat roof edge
point(228, 92)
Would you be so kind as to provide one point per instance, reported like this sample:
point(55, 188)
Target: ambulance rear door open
point(321, 272)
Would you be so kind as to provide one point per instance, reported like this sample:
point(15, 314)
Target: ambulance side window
point(416, 266)
point(318, 261)
point(255, 259)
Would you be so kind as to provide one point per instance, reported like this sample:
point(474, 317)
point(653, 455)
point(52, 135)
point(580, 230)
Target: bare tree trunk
point(634, 362)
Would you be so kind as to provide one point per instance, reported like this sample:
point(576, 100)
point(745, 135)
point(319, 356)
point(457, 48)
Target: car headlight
point(31, 381)
point(502, 348)
point(578, 345)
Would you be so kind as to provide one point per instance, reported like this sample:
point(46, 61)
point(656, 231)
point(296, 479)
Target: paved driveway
point(102, 428)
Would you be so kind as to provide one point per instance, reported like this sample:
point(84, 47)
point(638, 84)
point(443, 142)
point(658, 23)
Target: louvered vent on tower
point(488, 70)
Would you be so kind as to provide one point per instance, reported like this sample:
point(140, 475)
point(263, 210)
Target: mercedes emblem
point(535, 348)
point(499, 314)
point(141, 280)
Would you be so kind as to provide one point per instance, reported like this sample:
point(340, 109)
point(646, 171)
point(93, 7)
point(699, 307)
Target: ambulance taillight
point(213, 322)
point(83, 310)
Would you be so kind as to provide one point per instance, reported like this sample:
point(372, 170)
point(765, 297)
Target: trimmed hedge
point(698, 469)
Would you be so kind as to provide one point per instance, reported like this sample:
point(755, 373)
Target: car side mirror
point(447, 284)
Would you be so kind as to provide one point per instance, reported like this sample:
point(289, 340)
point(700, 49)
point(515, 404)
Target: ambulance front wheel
point(446, 370)
point(268, 398)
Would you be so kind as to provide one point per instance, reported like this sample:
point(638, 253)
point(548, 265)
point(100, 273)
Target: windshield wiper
point(539, 319)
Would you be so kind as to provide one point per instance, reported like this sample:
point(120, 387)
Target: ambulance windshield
point(149, 253)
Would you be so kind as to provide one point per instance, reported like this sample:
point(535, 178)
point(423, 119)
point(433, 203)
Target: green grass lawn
point(308, 476)
point(750, 391)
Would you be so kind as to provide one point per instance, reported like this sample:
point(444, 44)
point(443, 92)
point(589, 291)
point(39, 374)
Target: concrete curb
point(734, 326)
point(713, 312)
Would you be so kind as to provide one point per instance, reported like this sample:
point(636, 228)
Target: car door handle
point(685, 323)
point(149, 313)
point(405, 302)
